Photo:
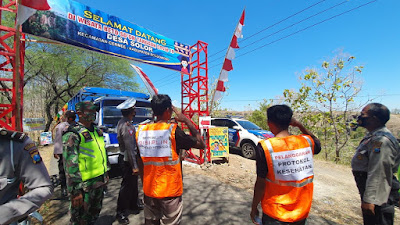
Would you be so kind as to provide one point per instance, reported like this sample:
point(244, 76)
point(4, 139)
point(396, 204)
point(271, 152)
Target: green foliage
point(64, 65)
point(55, 72)
point(324, 103)
point(259, 116)
point(332, 92)
point(62, 70)
point(8, 18)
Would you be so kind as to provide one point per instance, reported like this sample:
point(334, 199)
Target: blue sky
point(370, 33)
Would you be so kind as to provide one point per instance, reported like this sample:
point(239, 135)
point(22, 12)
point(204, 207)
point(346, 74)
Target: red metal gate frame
point(195, 94)
point(11, 114)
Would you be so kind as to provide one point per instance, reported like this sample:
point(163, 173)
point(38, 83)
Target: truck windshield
point(111, 115)
point(248, 125)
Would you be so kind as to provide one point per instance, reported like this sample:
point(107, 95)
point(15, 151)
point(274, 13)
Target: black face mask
point(363, 121)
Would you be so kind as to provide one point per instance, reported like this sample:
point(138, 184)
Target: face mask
point(362, 121)
point(89, 116)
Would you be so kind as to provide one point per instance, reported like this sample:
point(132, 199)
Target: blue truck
point(108, 115)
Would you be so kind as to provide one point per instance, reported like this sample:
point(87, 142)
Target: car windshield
point(248, 125)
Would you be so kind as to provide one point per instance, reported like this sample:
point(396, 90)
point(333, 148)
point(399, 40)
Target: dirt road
point(222, 194)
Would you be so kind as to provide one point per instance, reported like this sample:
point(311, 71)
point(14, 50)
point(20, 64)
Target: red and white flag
point(27, 8)
point(230, 55)
point(146, 80)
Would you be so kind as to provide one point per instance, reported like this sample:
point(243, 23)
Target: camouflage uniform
point(92, 189)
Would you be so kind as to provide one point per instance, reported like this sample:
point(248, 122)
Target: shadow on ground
point(206, 201)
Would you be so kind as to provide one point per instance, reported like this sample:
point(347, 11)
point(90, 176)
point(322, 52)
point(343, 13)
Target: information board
point(219, 144)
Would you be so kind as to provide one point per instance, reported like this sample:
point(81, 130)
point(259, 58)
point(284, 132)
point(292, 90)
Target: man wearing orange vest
point(159, 145)
point(284, 171)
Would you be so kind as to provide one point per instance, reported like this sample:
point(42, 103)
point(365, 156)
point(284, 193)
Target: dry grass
point(46, 152)
point(394, 125)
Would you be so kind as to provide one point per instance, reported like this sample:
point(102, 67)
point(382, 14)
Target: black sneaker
point(64, 192)
point(134, 211)
point(140, 204)
point(122, 219)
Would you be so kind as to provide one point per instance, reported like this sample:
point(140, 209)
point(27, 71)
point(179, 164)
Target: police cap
point(127, 104)
point(70, 114)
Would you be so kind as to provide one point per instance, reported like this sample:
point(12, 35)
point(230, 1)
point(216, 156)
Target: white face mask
point(184, 64)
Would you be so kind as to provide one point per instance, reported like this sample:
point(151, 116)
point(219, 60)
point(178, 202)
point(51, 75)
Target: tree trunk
point(337, 156)
point(49, 118)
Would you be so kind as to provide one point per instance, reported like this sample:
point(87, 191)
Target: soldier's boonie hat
point(83, 106)
point(129, 103)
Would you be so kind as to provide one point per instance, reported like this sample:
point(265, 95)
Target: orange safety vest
point(162, 173)
point(288, 186)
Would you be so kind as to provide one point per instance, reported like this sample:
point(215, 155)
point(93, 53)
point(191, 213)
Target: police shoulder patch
point(99, 131)
point(29, 146)
point(376, 145)
point(87, 136)
point(34, 153)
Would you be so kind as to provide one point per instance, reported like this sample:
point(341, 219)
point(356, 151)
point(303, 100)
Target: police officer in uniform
point(68, 120)
point(20, 161)
point(128, 194)
point(85, 161)
point(374, 164)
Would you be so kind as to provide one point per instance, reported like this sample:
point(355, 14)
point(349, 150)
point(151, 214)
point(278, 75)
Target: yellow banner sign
point(219, 144)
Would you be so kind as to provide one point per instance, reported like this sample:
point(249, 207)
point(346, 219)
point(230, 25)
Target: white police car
point(243, 134)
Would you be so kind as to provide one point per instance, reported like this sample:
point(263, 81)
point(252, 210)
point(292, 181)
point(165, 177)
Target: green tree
point(325, 101)
point(60, 71)
point(7, 20)
point(55, 72)
point(259, 116)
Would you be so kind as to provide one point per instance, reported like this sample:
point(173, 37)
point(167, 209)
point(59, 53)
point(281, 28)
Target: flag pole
point(226, 54)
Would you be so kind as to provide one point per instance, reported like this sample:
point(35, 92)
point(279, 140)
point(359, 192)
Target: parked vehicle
point(108, 115)
point(243, 134)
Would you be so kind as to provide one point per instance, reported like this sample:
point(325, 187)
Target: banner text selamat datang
point(122, 37)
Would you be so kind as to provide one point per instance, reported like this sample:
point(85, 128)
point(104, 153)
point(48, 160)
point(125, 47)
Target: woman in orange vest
point(284, 171)
point(159, 144)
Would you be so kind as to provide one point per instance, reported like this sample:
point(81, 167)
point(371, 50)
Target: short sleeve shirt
point(183, 141)
point(261, 162)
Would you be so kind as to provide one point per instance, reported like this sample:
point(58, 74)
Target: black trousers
point(61, 172)
point(128, 194)
point(384, 215)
